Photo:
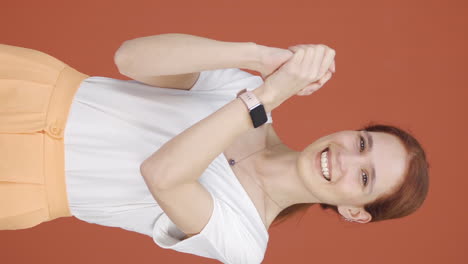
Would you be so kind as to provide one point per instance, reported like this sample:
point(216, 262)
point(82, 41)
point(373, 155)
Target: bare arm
point(197, 146)
point(176, 188)
point(174, 53)
point(171, 173)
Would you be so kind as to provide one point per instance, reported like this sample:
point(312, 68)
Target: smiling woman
point(196, 165)
point(398, 197)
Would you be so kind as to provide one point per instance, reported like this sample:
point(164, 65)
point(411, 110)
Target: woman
point(132, 149)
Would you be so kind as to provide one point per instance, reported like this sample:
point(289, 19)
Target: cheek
point(349, 191)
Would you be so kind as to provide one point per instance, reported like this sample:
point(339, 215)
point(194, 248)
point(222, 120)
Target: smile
point(324, 163)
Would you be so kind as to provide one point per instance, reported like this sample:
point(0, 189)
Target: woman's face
point(362, 166)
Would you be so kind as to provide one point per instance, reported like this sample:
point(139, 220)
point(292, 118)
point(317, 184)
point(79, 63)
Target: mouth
point(323, 163)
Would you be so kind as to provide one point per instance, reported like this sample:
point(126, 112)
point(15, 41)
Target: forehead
point(389, 157)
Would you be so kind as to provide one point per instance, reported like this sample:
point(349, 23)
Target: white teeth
point(324, 163)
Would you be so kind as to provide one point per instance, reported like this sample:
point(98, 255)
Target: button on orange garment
point(55, 129)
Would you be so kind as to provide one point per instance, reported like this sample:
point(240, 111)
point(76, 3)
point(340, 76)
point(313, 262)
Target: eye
point(364, 177)
point(362, 144)
point(362, 147)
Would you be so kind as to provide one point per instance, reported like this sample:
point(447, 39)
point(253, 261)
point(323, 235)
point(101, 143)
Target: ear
point(356, 214)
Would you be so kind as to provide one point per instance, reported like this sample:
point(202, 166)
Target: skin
point(291, 177)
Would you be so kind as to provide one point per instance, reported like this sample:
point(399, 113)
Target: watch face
point(258, 116)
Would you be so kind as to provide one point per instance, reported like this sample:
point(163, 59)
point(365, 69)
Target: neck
point(276, 169)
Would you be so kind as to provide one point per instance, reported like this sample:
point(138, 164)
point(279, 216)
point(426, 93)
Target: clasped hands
point(298, 70)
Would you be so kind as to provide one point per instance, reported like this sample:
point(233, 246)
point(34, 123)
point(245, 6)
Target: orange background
point(397, 62)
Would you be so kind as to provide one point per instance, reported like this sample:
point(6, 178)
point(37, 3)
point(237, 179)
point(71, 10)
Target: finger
point(332, 66)
point(315, 86)
point(308, 57)
point(297, 47)
point(293, 48)
point(309, 89)
point(317, 61)
point(297, 58)
point(327, 61)
point(325, 78)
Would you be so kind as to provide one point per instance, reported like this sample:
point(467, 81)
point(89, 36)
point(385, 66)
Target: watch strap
point(256, 108)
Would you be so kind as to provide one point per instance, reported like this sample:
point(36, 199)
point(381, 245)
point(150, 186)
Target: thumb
point(293, 48)
point(309, 89)
point(285, 54)
point(299, 46)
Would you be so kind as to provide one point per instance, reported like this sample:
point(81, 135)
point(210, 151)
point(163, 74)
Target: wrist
point(251, 56)
point(264, 99)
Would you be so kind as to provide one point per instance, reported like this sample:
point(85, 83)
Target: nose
point(349, 162)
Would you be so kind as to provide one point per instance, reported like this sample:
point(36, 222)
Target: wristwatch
point(256, 108)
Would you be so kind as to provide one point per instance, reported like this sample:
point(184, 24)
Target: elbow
point(143, 170)
point(122, 57)
point(148, 175)
point(152, 174)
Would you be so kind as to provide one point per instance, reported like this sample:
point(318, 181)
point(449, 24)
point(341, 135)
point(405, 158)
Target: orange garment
point(36, 91)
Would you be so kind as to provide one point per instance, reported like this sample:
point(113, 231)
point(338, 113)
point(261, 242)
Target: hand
point(308, 69)
point(271, 59)
point(317, 85)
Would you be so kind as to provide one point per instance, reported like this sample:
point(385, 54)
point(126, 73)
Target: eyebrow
point(370, 141)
